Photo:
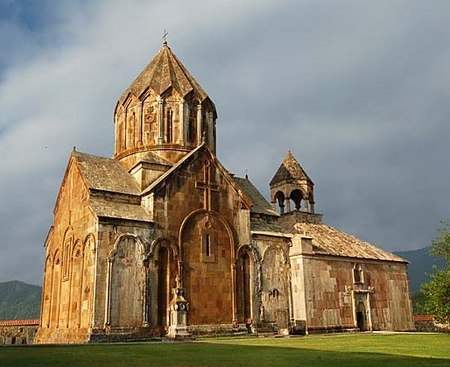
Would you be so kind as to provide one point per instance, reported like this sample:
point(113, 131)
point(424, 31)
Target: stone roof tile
point(111, 209)
point(163, 72)
point(289, 171)
point(105, 174)
point(331, 241)
point(260, 225)
point(258, 203)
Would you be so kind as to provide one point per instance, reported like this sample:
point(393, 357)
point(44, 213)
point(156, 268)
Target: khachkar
point(179, 308)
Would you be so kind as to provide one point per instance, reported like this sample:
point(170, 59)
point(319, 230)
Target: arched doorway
point(207, 257)
point(361, 319)
point(244, 275)
point(166, 270)
point(127, 283)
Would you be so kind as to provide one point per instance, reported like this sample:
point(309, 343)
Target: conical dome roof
point(289, 171)
point(163, 72)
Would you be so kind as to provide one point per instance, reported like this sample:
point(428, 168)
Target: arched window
point(358, 276)
point(169, 126)
point(191, 129)
point(279, 199)
point(297, 196)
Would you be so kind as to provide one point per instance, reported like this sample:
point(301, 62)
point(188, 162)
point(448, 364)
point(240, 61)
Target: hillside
point(19, 300)
point(420, 264)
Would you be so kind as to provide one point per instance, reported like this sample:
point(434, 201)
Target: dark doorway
point(244, 289)
point(163, 288)
point(361, 320)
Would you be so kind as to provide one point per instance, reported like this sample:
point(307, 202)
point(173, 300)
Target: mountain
point(19, 300)
point(420, 264)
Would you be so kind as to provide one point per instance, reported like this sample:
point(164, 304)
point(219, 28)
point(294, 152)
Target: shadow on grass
point(200, 354)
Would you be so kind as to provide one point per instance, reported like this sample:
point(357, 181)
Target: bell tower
point(163, 114)
point(291, 189)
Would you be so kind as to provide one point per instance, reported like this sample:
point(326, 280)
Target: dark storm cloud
point(357, 90)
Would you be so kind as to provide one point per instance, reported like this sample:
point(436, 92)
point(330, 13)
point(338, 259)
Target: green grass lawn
point(362, 350)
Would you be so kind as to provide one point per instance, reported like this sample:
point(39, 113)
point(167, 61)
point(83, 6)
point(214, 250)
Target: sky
point(358, 90)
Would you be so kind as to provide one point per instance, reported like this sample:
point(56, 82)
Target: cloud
point(357, 90)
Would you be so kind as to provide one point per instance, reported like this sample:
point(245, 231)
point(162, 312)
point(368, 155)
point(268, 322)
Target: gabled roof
point(327, 240)
point(185, 160)
point(163, 72)
point(174, 168)
point(111, 209)
point(105, 174)
point(153, 158)
point(257, 201)
point(261, 226)
point(289, 171)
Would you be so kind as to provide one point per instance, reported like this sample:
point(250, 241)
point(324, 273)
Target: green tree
point(437, 290)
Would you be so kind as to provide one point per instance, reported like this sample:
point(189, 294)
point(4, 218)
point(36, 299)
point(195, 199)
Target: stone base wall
point(217, 330)
point(61, 336)
point(123, 335)
point(332, 329)
point(428, 324)
point(17, 335)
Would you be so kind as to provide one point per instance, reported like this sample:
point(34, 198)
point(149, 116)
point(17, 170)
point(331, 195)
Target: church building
point(162, 240)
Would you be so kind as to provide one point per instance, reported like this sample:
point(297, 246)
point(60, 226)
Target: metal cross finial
point(164, 37)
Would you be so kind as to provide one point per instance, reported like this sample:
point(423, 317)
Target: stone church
point(162, 240)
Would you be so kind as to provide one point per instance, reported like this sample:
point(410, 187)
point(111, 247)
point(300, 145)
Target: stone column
point(233, 294)
point(125, 130)
point(160, 120)
point(288, 202)
point(145, 303)
point(306, 205)
point(199, 124)
point(181, 114)
point(140, 124)
point(210, 131)
point(107, 320)
point(186, 124)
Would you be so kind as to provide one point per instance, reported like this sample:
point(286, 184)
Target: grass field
point(333, 350)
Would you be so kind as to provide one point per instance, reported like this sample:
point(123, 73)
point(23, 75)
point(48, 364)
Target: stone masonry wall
point(69, 266)
point(331, 293)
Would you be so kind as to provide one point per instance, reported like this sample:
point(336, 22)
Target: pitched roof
point(33, 322)
point(105, 174)
point(289, 170)
point(261, 226)
point(257, 201)
point(153, 158)
point(174, 168)
point(331, 241)
point(185, 160)
point(112, 209)
point(163, 72)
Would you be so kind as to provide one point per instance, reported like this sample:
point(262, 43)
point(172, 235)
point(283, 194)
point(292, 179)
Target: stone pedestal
point(178, 316)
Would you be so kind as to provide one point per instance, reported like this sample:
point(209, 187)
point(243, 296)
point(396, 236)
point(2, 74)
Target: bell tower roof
point(289, 171)
point(163, 72)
